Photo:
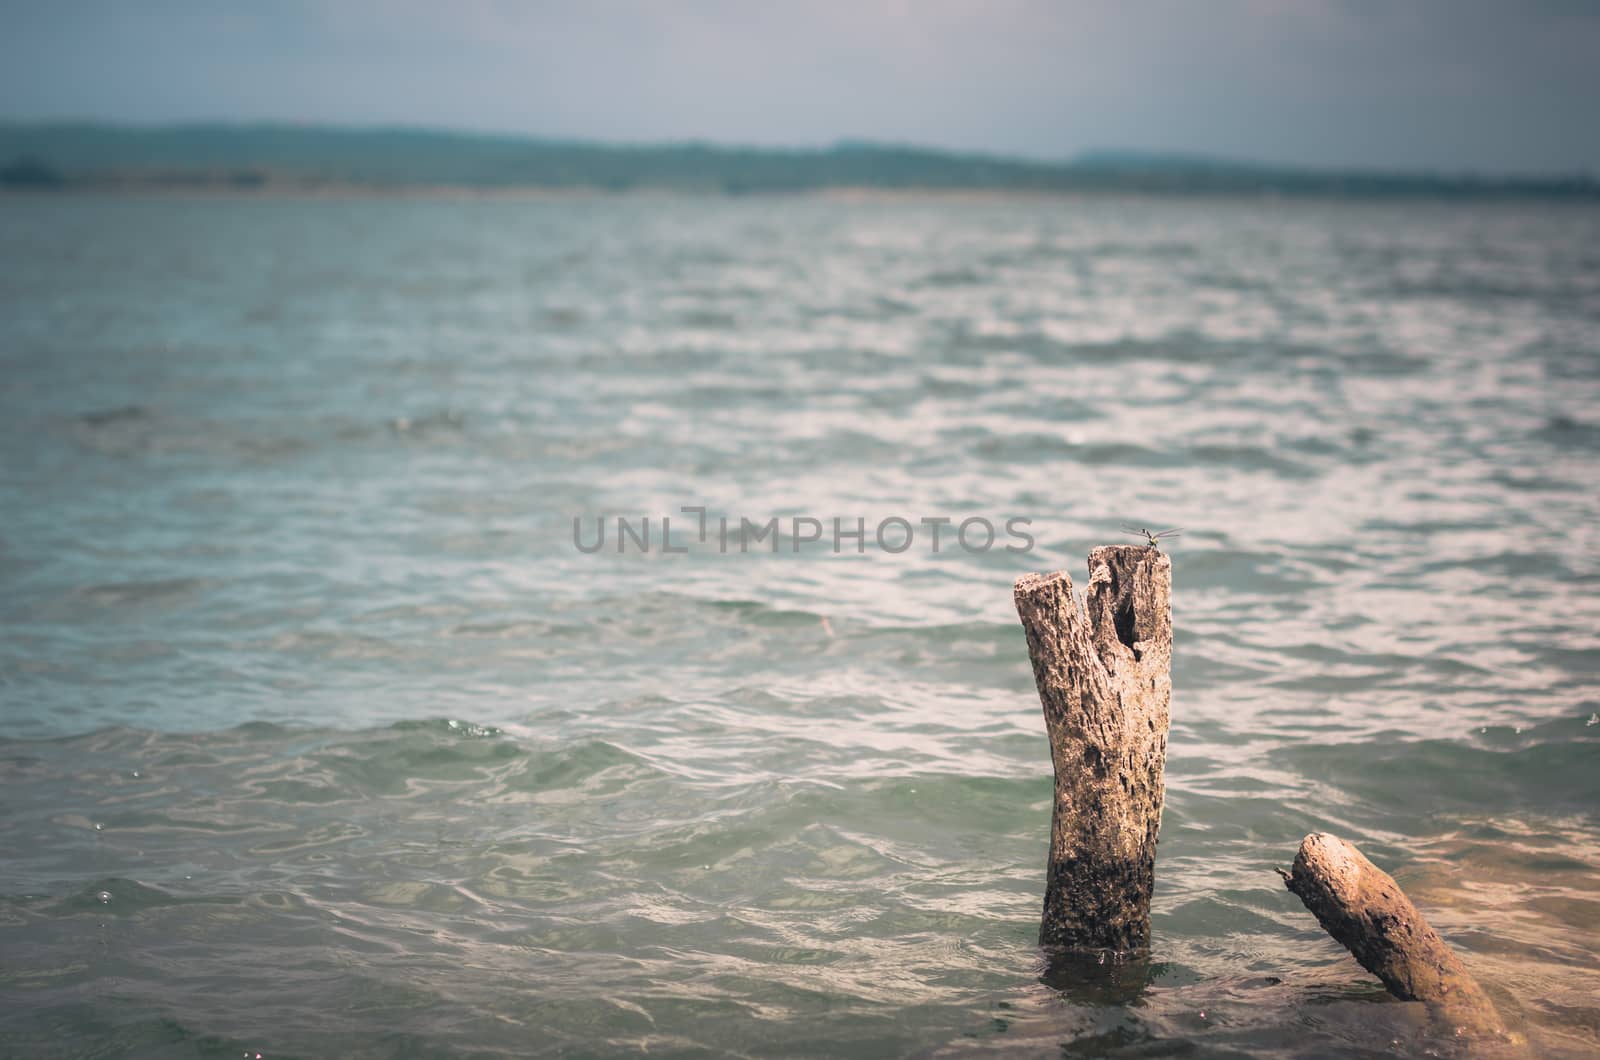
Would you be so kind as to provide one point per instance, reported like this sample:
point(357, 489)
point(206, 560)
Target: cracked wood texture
point(1104, 676)
point(1362, 907)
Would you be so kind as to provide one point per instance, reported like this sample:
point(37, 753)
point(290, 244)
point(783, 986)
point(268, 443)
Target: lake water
point(322, 738)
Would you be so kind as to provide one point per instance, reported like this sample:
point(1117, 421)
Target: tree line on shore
point(68, 156)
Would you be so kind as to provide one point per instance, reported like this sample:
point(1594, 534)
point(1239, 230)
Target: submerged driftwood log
point(1104, 678)
point(1362, 907)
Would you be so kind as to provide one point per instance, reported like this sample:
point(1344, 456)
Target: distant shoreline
point(313, 160)
point(286, 190)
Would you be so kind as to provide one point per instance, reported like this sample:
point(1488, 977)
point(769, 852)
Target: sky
point(1443, 85)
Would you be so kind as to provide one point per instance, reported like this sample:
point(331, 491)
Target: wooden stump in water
point(1362, 907)
point(1104, 679)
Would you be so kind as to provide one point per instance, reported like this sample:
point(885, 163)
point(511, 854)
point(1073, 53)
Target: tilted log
point(1362, 907)
point(1104, 677)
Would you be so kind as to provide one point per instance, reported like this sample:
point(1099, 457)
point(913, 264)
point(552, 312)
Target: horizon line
point(1100, 158)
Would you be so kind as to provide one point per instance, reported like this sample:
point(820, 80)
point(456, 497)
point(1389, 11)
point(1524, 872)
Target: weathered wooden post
point(1362, 907)
point(1104, 679)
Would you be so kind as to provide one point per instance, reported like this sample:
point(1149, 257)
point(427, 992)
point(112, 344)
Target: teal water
point(319, 737)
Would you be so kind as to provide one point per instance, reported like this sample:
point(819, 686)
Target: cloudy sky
point(1413, 84)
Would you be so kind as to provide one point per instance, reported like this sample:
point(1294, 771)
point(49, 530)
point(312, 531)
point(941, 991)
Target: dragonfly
point(1153, 537)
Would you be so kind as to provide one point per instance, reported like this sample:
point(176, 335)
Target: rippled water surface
point(321, 738)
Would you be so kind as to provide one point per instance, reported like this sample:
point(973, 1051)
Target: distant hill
point(66, 156)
